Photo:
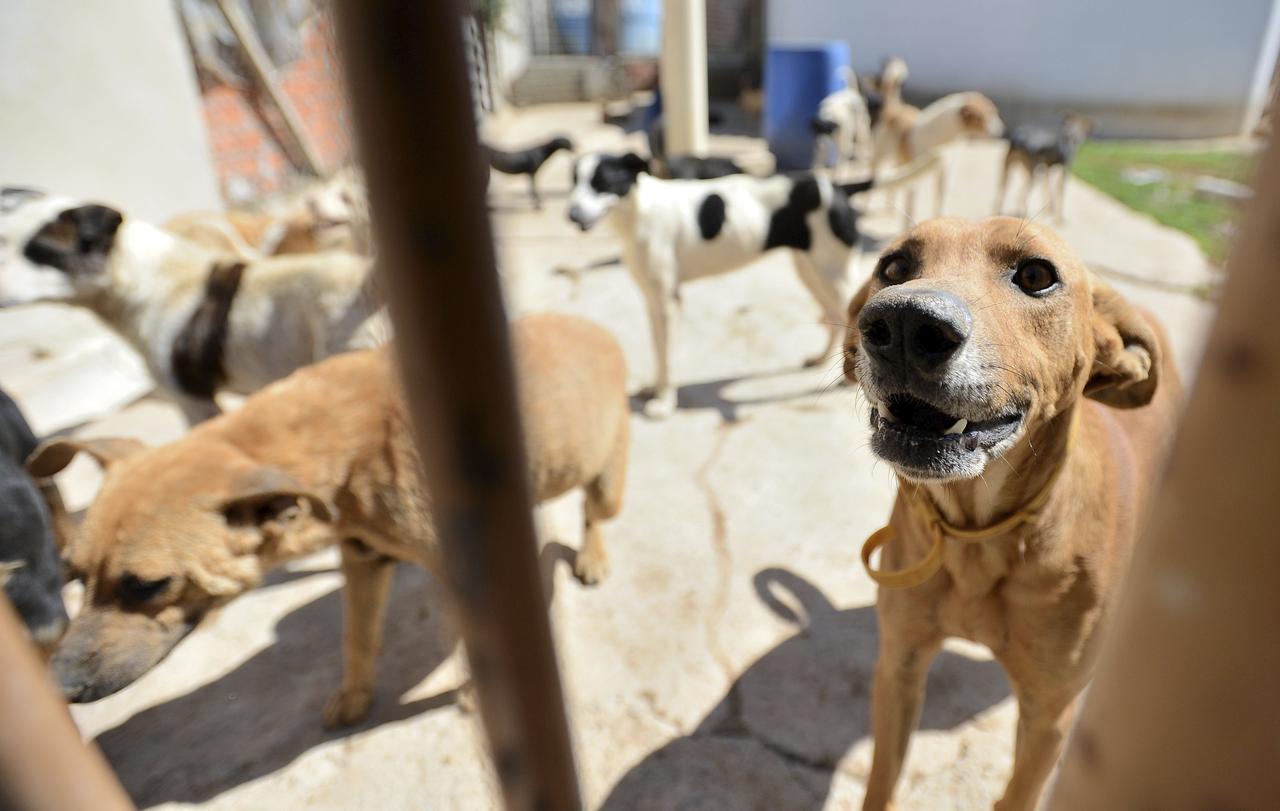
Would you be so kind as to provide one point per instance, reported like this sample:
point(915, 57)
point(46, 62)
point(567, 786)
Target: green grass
point(1171, 201)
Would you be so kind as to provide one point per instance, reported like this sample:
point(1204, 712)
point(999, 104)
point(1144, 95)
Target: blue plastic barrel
point(573, 21)
point(640, 27)
point(796, 80)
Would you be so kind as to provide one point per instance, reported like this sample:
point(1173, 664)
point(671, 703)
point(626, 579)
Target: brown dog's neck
point(1009, 483)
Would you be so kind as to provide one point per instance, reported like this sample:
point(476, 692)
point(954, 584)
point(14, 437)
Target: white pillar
point(683, 69)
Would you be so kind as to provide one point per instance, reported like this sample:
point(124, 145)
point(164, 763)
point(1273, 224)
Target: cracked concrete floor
point(725, 662)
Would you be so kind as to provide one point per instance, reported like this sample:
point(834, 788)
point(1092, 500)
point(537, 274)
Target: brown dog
point(320, 458)
point(997, 367)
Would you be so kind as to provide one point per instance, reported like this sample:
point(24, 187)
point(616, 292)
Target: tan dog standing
point(323, 457)
point(1016, 397)
point(904, 134)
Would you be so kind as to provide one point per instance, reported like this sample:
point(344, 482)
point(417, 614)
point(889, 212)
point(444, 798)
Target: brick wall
point(247, 156)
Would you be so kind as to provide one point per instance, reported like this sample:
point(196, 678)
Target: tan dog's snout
point(914, 331)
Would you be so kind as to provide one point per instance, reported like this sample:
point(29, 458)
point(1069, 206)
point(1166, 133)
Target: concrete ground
point(725, 662)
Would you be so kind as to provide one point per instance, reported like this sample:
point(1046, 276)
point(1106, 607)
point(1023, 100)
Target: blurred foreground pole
point(682, 72)
point(44, 766)
point(1185, 710)
point(413, 116)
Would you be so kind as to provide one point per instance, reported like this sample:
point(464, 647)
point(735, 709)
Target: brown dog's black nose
point(914, 329)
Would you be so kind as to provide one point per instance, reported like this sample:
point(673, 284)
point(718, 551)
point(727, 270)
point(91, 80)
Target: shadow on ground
point(264, 714)
point(710, 394)
point(776, 737)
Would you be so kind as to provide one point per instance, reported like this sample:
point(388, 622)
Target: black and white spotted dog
point(202, 322)
point(674, 231)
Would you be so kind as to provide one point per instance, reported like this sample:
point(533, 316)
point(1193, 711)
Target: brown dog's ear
point(55, 454)
point(1127, 353)
point(851, 333)
point(269, 494)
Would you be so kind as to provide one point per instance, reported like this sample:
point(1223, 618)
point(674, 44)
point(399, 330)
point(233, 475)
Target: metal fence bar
point(44, 766)
point(412, 105)
point(1185, 710)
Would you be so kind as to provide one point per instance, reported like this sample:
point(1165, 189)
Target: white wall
point(99, 100)
point(1146, 67)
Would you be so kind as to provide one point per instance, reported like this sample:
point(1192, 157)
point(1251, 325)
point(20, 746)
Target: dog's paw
point(661, 406)
point(590, 569)
point(348, 706)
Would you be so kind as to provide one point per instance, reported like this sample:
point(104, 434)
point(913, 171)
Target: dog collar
point(940, 529)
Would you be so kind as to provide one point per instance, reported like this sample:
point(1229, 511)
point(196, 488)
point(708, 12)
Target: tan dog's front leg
point(1042, 730)
point(364, 603)
point(896, 698)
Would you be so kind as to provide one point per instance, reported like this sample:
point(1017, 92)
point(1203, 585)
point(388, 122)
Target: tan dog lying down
point(320, 458)
point(1027, 409)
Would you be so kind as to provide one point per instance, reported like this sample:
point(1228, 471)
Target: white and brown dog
point(202, 322)
point(674, 231)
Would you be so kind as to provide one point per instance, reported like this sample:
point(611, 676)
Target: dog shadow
point(264, 714)
point(775, 739)
point(710, 394)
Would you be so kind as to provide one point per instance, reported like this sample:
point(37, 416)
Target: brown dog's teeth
point(957, 428)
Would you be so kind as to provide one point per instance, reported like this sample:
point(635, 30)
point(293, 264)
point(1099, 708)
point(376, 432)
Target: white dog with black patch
point(202, 322)
point(675, 231)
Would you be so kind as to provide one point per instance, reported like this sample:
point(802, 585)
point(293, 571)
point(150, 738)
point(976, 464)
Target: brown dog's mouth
point(926, 441)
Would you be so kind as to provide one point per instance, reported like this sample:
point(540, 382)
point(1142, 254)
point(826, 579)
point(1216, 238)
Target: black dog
point(29, 567)
point(691, 167)
point(685, 167)
point(527, 161)
point(1041, 149)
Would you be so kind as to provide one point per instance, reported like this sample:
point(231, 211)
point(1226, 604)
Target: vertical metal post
point(1185, 710)
point(683, 76)
point(43, 764)
point(412, 104)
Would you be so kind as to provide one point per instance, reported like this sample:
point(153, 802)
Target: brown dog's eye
point(895, 269)
point(137, 590)
point(1035, 277)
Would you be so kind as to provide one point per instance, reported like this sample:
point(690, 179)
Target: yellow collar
point(940, 528)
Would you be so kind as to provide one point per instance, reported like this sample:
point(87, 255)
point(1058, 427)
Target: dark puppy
point(1040, 149)
point(30, 572)
point(527, 161)
point(691, 167)
point(684, 167)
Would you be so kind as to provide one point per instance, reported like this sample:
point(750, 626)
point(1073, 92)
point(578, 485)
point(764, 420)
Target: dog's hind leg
point(1026, 191)
point(897, 693)
point(603, 501)
point(364, 597)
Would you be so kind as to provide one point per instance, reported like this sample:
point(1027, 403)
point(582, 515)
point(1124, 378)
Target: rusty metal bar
point(44, 766)
point(1185, 710)
point(418, 144)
